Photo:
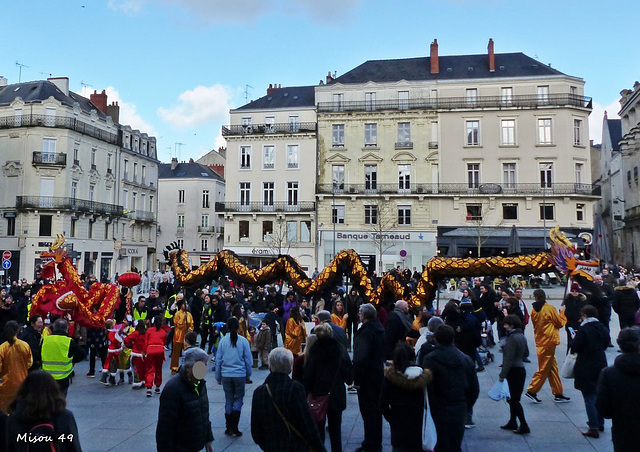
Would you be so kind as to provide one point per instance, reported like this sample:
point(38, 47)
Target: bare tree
point(380, 220)
point(278, 240)
point(478, 214)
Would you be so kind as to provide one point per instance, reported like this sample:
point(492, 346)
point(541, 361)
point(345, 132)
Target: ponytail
point(233, 337)
point(11, 331)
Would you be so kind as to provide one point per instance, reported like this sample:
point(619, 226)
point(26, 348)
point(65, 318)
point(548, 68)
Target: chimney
point(174, 163)
point(62, 83)
point(492, 57)
point(113, 110)
point(329, 77)
point(99, 100)
point(218, 169)
point(222, 151)
point(435, 62)
point(3, 81)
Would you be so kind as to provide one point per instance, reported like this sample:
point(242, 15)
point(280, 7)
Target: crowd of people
point(332, 344)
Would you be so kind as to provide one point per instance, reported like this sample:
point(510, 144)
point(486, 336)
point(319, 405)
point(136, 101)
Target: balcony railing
point(180, 230)
point(303, 206)
point(260, 129)
point(142, 215)
point(60, 122)
point(49, 158)
point(458, 189)
point(452, 103)
point(73, 204)
point(206, 229)
point(404, 145)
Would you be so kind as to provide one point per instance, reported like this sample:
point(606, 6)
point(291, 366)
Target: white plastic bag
point(429, 435)
point(499, 391)
point(569, 365)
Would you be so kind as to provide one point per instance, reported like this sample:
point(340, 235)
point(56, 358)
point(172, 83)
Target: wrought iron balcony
point(60, 122)
point(141, 215)
point(458, 189)
point(49, 158)
point(206, 229)
point(453, 103)
point(280, 206)
point(260, 129)
point(72, 204)
point(180, 230)
point(404, 145)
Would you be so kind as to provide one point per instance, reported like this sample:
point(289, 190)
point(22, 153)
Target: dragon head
point(56, 254)
point(564, 256)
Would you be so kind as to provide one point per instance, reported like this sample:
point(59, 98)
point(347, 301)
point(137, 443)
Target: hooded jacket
point(326, 370)
point(513, 352)
point(625, 301)
point(618, 398)
point(546, 323)
point(590, 343)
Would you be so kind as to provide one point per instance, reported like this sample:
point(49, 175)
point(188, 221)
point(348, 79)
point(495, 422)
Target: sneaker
point(469, 423)
point(480, 369)
point(149, 392)
point(91, 374)
point(352, 390)
point(561, 399)
point(157, 389)
point(526, 360)
point(534, 398)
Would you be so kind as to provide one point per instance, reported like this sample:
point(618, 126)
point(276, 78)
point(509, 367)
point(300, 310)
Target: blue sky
point(176, 67)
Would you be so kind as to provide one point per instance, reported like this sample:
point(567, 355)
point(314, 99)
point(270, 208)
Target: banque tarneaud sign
point(392, 236)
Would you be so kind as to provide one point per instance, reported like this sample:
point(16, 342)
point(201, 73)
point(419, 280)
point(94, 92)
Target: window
point(76, 153)
point(629, 178)
point(245, 193)
point(337, 214)
point(135, 171)
point(338, 102)
point(17, 117)
point(506, 95)
point(369, 101)
point(337, 176)
point(204, 244)
point(243, 229)
point(292, 193)
point(269, 120)
point(544, 131)
point(181, 221)
point(472, 96)
point(246, 120)
point(45, 225)
point(509, 211)
point(509, 175)
point(106, 232)
point(547, 212)
point(48, 150)
point(294, 123)
point(11, 226)
point(474, 212)
point(403, 100)
point(109, 156)
point(404, 177)
point(371, 177)
point(205, 199)
point(267, 230)
point(125, 199)
point(205, 221)
point(107, 195)
point(546, 174)
point(404, 215)
point(125, 169)
point(305, 231)
point(133, 199)
point(74, 190)
point(473, 133)
point(50, 116)
point(404, 133)
point(338, 136)
point(635, 174)
point(74, 228)
point(573, 90)
point(151, 209)
point(268, 157)
point(293, 156)
point(292, 231)
point(180, 243)
point(90, 233)
point(577, 132)
point(180, 196)
point(580, 212)
point(473, 175)
point(543, 94)
point(144, 174)
point(93, 159)
point(579, 172)
point(508, 132)
point(92, 191)
point(268, 190)
point(371, 214)
point(245, 157)
point(370, 135)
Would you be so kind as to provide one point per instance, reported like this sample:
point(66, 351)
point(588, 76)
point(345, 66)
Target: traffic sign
point(403, 253)
point(6, 255)
point(6, 264)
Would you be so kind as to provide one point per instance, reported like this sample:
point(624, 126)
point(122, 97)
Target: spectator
point(183, 416)
point(15, 361)
point(573, 303)
point(339, 315)
point(398, 325)
point(280, 416)
point(430, 341)
point(353, 300)
point(273, 320)
point(7, 311)
point(339, 333)
point(32, 335)
point(60, 353)
point(514, 351)
point(263, 344)
point(297, 373)
point(626, 303)
point(602, 297)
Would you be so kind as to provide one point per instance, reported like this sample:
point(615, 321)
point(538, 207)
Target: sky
point(176, 67)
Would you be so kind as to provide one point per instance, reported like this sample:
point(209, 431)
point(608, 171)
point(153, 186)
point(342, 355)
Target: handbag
point(568, 368)
point(319, 404)
point(429, 434)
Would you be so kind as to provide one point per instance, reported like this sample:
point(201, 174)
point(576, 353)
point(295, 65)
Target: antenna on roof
point(246, 91)
point(20, 66)
point(85, 85)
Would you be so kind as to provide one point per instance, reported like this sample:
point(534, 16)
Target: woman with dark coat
point(326, 370)
point(574, 302)
point(590, 343)
point(626, 303)
point(514, 351)
point(402, 399)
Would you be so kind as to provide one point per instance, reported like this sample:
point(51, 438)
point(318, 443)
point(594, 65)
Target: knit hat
point(575, 287)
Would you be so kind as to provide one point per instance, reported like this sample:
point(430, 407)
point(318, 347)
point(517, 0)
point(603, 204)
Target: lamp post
point(334, 220)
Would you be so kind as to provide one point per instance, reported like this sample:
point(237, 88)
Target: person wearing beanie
point(573, 302)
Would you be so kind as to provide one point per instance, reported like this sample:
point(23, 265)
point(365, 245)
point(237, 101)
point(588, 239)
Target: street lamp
point(334, 219)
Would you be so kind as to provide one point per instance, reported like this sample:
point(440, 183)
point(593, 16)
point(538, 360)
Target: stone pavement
point(118, 418)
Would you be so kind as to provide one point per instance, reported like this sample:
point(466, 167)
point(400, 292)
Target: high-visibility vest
point(55, 356)
point(167, 312)
point(139, 315)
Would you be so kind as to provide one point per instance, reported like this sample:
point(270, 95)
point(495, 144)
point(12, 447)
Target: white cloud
point(596, 117)
point(128, 7)
point(220, 142)
point(200, 106)
point(128, 112)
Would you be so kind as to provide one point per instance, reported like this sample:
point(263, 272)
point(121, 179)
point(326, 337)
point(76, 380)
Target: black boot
point(523, 429)
point(235, 420)
point(511, 425)
point(227, 423)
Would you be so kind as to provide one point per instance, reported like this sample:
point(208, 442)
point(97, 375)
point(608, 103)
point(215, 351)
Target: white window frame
point(337, 177)
point(338, 101)
point(370, 214)
point(404, 178)
point(293, 156)
point(506, 95)
point(337, 136)
point(543, 94)
point(268, 157)
point(404, 215)
point(579, 172)
point(473, 175)
point(508, 132)
point(244, 193)
point(206, 199)
point(471, 95)
point(181, 196)
point(511, 204)
point(403, 100)
point(294, 123)
point(371, 177)
point(291, 232)
point(244, 158)
point(205, 221)
point(545, 170)
point(509, 174)
point(181, 221)
point(577, 132)
point(580, 212)
point(370, 101)
point(371, 135)
point(545, 131)
point(338, 212)
point(472, 132)
point(268, 193)
point(204, 244)
point(293, 193)
point(404, 133)
point(553, 211)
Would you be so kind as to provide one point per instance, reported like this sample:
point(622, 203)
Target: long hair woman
point(15, 360)
point(514, 351)
point(39, 401)
point(295, 333)
point(238, 313)
point(233, 369)
point(339, 315)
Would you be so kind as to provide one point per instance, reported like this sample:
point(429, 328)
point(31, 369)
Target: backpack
point(44, 439)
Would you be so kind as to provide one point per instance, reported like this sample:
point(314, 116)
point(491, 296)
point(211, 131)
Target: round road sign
point(6, 255)
point(6, 264)
point(403, 253)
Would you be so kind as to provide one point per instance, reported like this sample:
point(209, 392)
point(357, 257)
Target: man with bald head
point(398, 325)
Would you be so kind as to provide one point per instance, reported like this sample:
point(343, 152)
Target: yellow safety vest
point(167, 312)
point(55, 356)
point(139, 315)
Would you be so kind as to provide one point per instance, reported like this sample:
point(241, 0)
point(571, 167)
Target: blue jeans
point(595, 420)
point(233, 393)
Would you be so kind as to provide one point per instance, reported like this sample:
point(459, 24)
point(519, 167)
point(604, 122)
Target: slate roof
point(39, 90)
point(187, 171)
point(285, 97)
point(615, 132)
point(451, 68)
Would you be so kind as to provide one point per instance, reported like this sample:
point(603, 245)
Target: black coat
point(618, 398)
point(63, 423)
point(326, 370)
point(454, 388)
point(625, 301)
point(395, 331)
point(368, 354)
point(572, 312)
point(339, 333)
point(32, 337)
point(590, 343)
point(402, 405)
point(269, 431)
point(183, 417)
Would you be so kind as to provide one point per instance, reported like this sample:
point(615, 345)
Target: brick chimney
point(174, 163)
point(62, 83)
point(218, 169)
point(99, 100)
point(492, 56)
point(113, 110)
point(435, 61)
point(329, 77)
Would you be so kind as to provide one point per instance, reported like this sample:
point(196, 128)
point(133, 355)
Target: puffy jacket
point(155, 340)
point(183, 417)
point(546, 323)
point(625, 301)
